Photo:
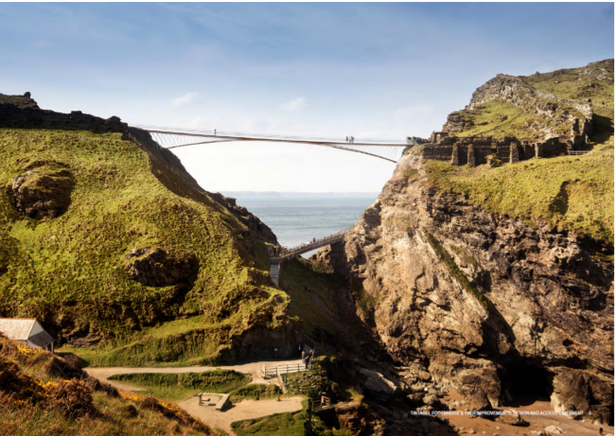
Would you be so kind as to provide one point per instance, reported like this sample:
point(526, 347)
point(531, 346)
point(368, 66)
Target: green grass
point(183, 385)
point(575, 193)
point(411, 173)
point(498, 119)
point(255, 392)
point(67, 271)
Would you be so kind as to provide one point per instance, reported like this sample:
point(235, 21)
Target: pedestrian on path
point(346, 138)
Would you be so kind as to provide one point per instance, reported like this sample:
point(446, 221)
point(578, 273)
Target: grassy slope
point(30, 405)
point(68, 272)
point(575, 193)
point(498, 118)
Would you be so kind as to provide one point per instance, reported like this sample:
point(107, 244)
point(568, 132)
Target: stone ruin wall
point(475, 151)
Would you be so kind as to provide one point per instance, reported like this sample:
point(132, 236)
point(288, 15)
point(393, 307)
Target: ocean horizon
point(297, 217)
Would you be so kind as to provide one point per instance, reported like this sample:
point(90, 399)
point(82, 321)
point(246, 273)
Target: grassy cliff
point(70, 270)
point(572, 193)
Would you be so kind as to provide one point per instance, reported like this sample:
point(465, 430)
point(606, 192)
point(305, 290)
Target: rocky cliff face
point(493, 308)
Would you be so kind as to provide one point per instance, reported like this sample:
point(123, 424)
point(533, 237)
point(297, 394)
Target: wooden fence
point(604, 153)
point(279, 370)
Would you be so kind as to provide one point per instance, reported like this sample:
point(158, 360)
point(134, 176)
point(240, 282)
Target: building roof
point(41, 339)
point(17, 329)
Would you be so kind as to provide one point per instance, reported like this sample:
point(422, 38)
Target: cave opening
point(527, 384)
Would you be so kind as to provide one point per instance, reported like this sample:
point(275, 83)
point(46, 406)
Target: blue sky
point(385, 70)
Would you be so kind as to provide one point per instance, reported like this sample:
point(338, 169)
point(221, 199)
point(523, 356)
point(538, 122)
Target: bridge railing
point(286, 252)
point(256, 136)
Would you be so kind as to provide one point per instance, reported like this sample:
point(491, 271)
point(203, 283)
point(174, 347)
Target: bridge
point(388, 150)
point(286, 253)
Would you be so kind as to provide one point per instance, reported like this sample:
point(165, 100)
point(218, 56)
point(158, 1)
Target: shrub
point(72, 398)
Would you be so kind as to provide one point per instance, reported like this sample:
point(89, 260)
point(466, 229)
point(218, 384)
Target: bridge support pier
point(275, 264)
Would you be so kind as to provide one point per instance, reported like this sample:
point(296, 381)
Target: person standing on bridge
point(313, 239)
point(215, 132)
point(346, 138)
point(352, 139)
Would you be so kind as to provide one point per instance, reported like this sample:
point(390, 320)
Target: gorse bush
point(33, 402)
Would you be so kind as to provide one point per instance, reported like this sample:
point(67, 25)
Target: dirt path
point(246, 409)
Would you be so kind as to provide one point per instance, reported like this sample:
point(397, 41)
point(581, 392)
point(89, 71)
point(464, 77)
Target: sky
point(379, 70)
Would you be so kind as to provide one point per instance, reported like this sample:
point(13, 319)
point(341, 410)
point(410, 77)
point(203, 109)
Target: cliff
point(495, 282)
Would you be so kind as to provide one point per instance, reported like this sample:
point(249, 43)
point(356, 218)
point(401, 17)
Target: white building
point(28, 331)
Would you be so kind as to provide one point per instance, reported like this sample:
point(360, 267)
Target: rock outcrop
point(551, 112)
point(489, 306)
point(159, 267)
point(43, 189)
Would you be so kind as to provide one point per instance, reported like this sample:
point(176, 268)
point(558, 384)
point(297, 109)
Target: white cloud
point(294, 105)
point(413, 111)
point(184, 99)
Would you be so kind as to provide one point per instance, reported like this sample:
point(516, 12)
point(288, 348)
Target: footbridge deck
point(389, 150)
point(286, 253)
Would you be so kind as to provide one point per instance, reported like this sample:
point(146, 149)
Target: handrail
point(286, 253)
point(274, 371)
point(214, 133)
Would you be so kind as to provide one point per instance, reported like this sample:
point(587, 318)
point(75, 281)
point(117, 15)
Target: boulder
point(577, 390)
point(512, 419)
point(379, 384)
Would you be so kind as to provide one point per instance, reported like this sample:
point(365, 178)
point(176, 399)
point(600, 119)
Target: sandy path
point(246, 409)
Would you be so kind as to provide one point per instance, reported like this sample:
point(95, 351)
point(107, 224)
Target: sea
point(300, 217)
